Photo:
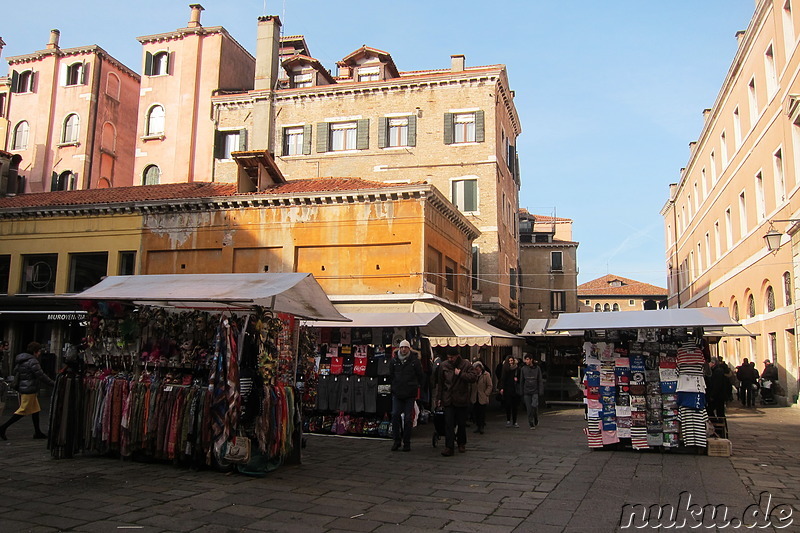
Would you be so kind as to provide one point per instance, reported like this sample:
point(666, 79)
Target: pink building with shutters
point(71, 118)
point(182, 70)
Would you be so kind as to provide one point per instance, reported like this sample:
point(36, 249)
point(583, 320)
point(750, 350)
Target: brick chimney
point(53, 43)
point(267, 52)
point(457, 63)
point(194, 18)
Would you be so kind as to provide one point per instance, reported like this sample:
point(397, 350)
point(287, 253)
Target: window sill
point(404, 147)
point(70, 143)
point(465, 143)
point(158, 137)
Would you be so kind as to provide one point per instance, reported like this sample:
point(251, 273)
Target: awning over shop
point(537, 327)
point(729, 331)
point(294, 293)
point(706, 317)
point(431, 323)
point(466, 330)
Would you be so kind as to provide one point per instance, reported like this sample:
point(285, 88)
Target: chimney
point(267, 49)
point(2, 44)
point(739, 35)
point(194, 19)
point(706, 113)
point(53, 43)
point(457, 63)
point(691, 146)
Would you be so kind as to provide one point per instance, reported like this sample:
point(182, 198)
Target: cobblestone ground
point(509, 479)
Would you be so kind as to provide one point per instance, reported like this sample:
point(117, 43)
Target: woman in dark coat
point(509, 389)
point(28, 373)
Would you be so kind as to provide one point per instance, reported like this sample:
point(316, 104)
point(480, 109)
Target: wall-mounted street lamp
point(773, 236)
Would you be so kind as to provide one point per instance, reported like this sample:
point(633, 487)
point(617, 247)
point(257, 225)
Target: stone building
point(70, 116)
point(739, 184)
point(615, 293)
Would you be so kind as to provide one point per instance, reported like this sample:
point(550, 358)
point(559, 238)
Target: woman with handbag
point(510, 389)
point(28, 373)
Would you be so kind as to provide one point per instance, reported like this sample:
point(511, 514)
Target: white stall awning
point(706, 317)
point(298, 294)
point(466, 330)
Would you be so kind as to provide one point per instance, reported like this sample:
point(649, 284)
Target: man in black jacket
point(405, 375)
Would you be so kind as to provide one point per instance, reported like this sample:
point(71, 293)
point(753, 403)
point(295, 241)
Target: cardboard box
point(719, 447)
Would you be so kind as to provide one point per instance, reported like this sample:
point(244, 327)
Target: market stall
point(195, 369)
point(644, 375)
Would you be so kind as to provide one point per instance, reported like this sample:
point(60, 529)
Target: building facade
point(70, 116)
point(612, 293)
point(548, 267)
point(741, 182)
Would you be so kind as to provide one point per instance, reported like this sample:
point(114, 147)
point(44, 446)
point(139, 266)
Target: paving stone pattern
point(510, 479)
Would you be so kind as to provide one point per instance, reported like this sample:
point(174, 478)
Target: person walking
point(481, 393)
point(532, 388)
point(510, 391)
point(769, 378)
point(28, 373)
point(406, 377)
point(717, 387)
point(452, 394)
point(747, 382)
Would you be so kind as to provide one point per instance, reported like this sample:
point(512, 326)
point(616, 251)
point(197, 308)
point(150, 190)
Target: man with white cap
point(406, 376)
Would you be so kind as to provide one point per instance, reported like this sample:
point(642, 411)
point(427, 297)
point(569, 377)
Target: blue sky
point(610, 93)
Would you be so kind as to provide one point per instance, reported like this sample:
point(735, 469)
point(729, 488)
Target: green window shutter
point(323, 137)
point(85, 73)
point(14, 81)
point(148, 64)
point(383, 126)
point(219, 145)
point(307, 139)
point(412, 130)
point(362, 134)
point(510, 157)
point(285, 142)
point(448, 128)
point(479, 126)
point(170, 57)
point(242, 140)
point(54, 182)
point(516, 167)
point(470, 195)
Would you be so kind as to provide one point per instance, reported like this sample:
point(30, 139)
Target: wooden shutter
point(306, 139)
point(412, 130)
point(448, 128)
point(479, 126)
point(383, 127)
point(323, 137)
point(362, 134)
point(284, 142)
point(54, 182)
point(516, 167)
point(62, 75)
point(84, 73)
point(242, 140)
point(510, 157)
point(219, 145)
point(170, 60)
point(148, 64)
point(14, 81)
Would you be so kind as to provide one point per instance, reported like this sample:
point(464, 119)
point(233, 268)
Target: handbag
point(237, 451)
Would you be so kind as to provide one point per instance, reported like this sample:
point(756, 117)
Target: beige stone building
point(740, 182)
point(548, 266)
point(454, 128)
point(612, 293)
point(69, 114)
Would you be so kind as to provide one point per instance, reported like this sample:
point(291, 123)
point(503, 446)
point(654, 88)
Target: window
point(39, 273)
point(556, 261)
point(717, 243)
point(615, 307)
point(65, 181)
point(156, 64)
point(631, 303)
point(773, 346)
point(558, 301)
point(752, 100)
point(737, 129)
point(788, 27)
point(723, 149)
point(113, 85)
point(587, 302)
point(770, 299)
point(735, 310)
point(302, 80)
point(597, 308)
point(71, 129)
point(2, 104)
point(696, 199)
point(343, 136)
point(751, 306)
point(512, 283)
point(742, 216)
point(21, 133)
point(787, 288)
point(465, 194)
point(127, 264)
point(86, 270)
point(22, 82)
point(450, 274)
point(707, 254)
point(152, 175)
point(703, 182)
point(297, 140)
point(463, 127)
point(397, 131)
point(606, 308)
point(5, 271)
point(770, 71)
point(761, 204)
point(229, 141)
point(712, 164)
point(74, 74)
point(780, 181)
point(155, 121)
point(728, 229)
point(475, 270)
point(369, 74)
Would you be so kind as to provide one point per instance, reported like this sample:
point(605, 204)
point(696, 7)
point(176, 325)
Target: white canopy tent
point(706, 317)
point(466, 330)
point(298, 294)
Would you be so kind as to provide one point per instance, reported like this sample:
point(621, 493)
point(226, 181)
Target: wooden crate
point(719, 447)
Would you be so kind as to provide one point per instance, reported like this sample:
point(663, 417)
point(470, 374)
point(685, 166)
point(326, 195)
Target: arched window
point(751, 306)
point(735, 311)
point(63, 182)
point(108, 140)
point(152, 175)
point(770, 297)
point(71, 129)
point(155, 120)
point(160, 63)
point(21, 133)
point(606, 308)
point(787, 288)
point(23, 82)
point(597, 308)
point(75, 74)
point(112, 86)
point(615, 307)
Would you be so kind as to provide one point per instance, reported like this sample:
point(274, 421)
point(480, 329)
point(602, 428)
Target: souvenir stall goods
point(195, 387)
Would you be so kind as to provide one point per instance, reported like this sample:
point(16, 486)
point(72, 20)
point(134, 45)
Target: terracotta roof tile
point(601, 287)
